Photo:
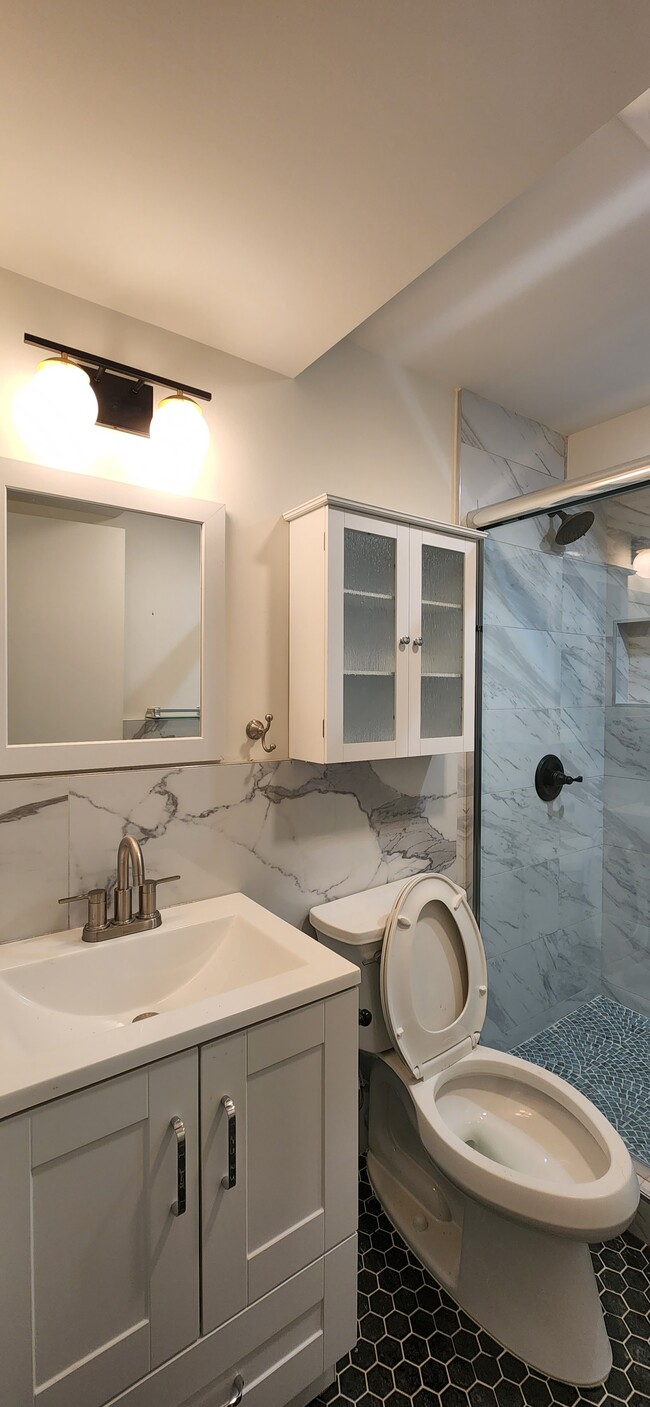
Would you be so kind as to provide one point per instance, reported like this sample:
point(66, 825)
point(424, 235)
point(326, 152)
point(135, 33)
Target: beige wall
point(352, 424)
point(610, 443)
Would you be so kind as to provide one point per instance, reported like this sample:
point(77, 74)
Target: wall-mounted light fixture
point(85, 389)
point(641, 557)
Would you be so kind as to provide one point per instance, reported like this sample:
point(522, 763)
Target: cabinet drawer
point(279, 1345)
point(274, 1344)
point(277, 1371)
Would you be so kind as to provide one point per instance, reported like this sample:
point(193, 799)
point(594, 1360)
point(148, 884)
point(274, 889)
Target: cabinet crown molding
point(371, 510)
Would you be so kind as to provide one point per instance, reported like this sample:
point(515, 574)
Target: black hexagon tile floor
point(416, 1348)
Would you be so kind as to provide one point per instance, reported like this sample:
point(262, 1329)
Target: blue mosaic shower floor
point(604, 1050)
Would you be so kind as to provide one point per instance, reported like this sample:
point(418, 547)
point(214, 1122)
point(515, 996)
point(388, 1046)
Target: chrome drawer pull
point(237, 1392)
point(231, 1177)
point(180, 1205)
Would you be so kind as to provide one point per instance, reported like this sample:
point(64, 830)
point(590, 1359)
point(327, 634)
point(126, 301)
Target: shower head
point(572, 527)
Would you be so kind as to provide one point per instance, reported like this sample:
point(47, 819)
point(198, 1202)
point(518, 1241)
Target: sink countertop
point(50, 1045)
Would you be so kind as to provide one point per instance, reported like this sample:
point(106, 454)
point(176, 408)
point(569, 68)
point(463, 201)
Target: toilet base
point(535, 1293)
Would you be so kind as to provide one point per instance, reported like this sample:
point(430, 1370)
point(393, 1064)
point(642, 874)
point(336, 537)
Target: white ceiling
point(546, 308)
point(263, 175)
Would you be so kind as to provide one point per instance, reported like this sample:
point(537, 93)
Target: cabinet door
point(293, 1082)
point(223, 1180)
point(441, 654)
point(367, 681)
point(114, 1278)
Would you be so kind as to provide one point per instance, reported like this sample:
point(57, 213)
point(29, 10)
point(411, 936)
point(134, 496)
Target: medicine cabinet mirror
point(112, 628)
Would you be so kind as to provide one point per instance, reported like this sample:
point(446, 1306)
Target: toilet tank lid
point(358, 918)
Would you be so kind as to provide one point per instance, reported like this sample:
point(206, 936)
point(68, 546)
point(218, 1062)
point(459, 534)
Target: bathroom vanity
point(178, 1208)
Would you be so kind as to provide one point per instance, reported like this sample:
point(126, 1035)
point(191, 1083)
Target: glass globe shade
point(57, 411)
point(61, 391)
point(180, 437)
point(641, 562)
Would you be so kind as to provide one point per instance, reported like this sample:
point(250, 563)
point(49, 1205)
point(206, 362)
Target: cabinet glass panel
point(369, 582)
point(441, 703)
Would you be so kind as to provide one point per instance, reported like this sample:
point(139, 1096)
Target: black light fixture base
point(123, 404)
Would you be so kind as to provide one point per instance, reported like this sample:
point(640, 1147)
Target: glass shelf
point(369, 673)
point(437, 674)
point(445, 605)
point(369, 595)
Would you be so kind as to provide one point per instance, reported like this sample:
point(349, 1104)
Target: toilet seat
point(547, 1155)
point(433, 976)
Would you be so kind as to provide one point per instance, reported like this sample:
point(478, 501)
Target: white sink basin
point(111, 983)
point(212, 966)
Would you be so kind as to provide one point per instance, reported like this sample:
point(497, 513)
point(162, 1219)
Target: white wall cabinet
point(382, 634)
point(107, 1294)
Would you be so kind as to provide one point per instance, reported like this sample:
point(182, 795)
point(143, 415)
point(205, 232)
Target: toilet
point(496, 1172)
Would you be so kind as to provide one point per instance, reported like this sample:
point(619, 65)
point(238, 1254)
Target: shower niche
point(631, 681)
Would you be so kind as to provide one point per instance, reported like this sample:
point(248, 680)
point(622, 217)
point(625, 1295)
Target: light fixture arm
point(101, 364)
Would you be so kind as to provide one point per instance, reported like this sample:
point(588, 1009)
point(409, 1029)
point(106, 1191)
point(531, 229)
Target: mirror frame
point(21, 759)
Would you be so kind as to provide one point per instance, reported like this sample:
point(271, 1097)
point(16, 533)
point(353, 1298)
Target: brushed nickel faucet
point(130, 876)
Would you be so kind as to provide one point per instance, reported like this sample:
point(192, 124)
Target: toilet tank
point(354, 928)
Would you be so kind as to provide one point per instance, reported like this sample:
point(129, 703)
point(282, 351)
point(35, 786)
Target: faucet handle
point(148, 905)
point(97, 900)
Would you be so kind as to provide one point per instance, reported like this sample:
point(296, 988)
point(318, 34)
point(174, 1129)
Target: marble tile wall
point(565, 907)
point(544, 683)
point(501, 454)
point(287, 833)
point(542, 864)
point(626, 863)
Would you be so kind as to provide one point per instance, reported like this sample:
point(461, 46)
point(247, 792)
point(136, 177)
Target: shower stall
point(562, 843)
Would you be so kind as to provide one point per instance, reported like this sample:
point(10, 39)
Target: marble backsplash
point(289, 834)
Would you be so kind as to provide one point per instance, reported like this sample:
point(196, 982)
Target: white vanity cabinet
point(382, 634)
point(291, 1192)
point(99, 1281)
point(109, 1295)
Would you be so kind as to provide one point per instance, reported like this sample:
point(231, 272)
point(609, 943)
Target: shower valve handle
point(564, 781)
point(550, 777)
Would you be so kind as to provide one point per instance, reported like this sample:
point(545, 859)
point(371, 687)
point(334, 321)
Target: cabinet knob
point(405, 640)
point(417, 642)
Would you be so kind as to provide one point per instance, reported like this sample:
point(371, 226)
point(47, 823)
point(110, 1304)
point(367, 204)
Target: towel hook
point(256, 731)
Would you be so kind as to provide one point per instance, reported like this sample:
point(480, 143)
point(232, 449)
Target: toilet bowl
point(497, 1173)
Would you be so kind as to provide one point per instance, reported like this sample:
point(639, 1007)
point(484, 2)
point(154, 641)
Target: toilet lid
point(433, 971)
